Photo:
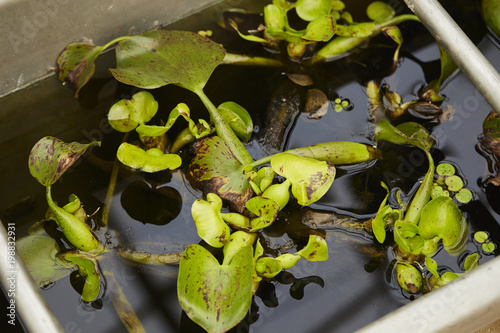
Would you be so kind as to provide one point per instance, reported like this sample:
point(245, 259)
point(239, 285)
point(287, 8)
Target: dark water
point(353, 288)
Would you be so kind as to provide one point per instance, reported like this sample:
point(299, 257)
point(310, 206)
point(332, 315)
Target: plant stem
point(422, 195)
point(122, 306)
point(243, 60)
point(263, 160)
point(224, 131)
point(340, 45)
point(116, 40)
point(111, 189)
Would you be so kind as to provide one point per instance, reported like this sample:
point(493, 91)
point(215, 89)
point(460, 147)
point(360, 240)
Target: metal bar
point(465, 54)
point(464, 305)
point(35, 314)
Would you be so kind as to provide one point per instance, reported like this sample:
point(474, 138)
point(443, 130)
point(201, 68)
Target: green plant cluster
point(243, 196)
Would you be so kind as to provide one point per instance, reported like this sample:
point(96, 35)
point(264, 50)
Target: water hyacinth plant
point(239, 197)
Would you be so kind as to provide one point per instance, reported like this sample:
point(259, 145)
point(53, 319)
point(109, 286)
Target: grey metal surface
point(29, 303)
point(465, 54)
point(33, 32)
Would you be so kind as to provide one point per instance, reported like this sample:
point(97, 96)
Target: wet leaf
point(441, 217)
point(358, 30)
point(315, 250)
point(409, 277)
point(50, 158)
point(238, 119)
point(448, 67)
point(309, 10)
point(279, 193)
point(76, 64)
point(216, 297)
point(379, 11)
point(266, 210)
point(274, 17)
point(126, 114)
point(481, 236)
point(152, 160)
point(216, 170)
point(74, 229)
point(488, 247)
point(454, 183)
point(160, 57)
point(236, 241)
point(316, 103)
point(310, 178)
point(320, 29)
point(394, 33)
point(432, 267)
point(408, 133)
point(89, 269)
point(403, 231)
point(445, 169)
point(268, 267)
point(491, 14)
point(288, 260)
point(338, 152)
point(471, 262)
point(491, 125)
point(208, 219)
point(39, 254)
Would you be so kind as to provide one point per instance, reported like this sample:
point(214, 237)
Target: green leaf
point(441, 217)
point(274, 17)
point(338, 152)
point(236, 241)
point(454, 183)
point(471, 262)
point(126, 114)
point(238, 119)
point(394, 33)
point(432, 267)
point(315, 250)
point(279, 193)
point(266, 210)
point(160, 57)
point(250, 38)
point(268, 267)
point(320, 29)
point(74, 229)
point(208, 219)
point(409, 277)
point(288, 260)
point(491, 14)
point(404, 230)
point(481, 236)
point(39, 254)
point(445, 169)
point(216, 297)
point(50, 158)
point(488, 247)
point(76, 64)
point(215, 169)
point(408, 133)
point(379, 11)
point(491, 125)
point(89, 269)
point(357, 30)
point(152, 160)
point(448, 67)
point(309, 10)
point(378, 223)
point(310, 178)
